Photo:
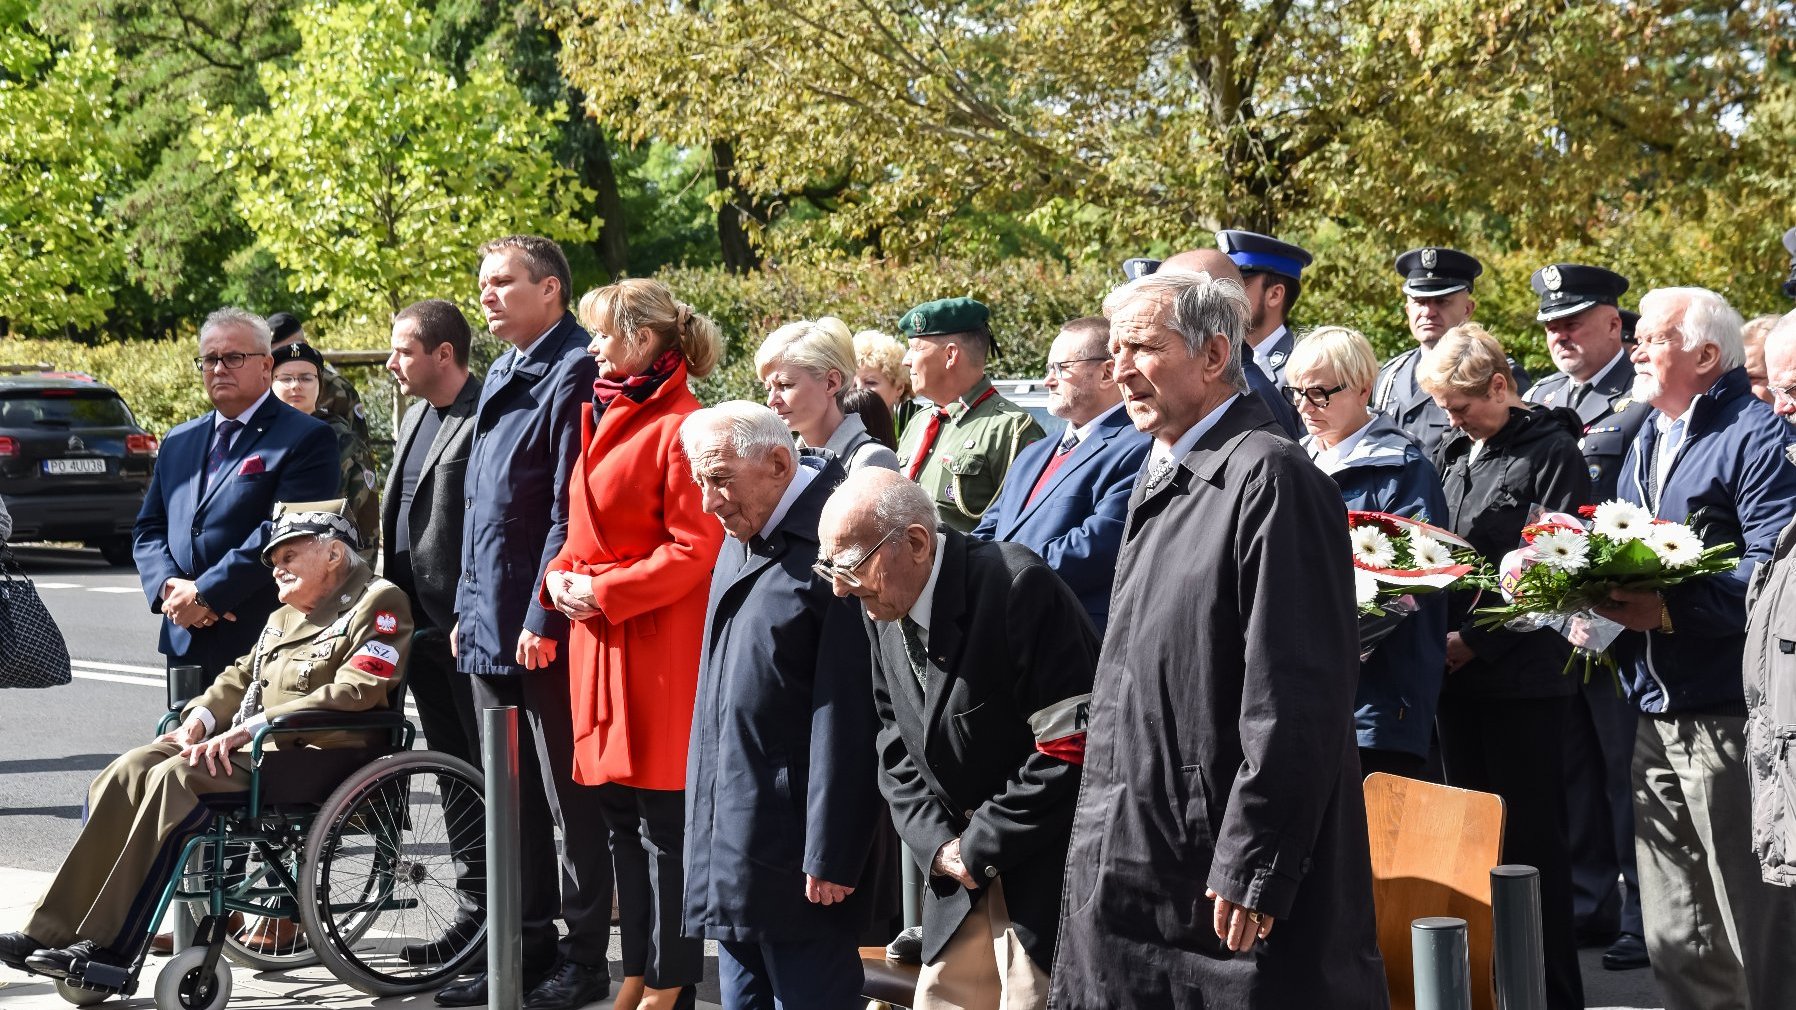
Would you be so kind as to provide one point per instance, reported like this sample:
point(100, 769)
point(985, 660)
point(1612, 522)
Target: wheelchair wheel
point(79, 995)
point(287, 954)
point(185, 985)
point(383, 869)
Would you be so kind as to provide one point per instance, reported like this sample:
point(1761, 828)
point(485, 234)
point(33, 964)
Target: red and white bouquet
point(1569, 565)
point(1396, 558)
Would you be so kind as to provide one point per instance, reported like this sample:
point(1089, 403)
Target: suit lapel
point(259, 423)
point(458, 415)
point(947, 613)
point(1083, 455)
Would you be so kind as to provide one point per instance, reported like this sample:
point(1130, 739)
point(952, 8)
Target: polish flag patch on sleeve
point(386, 622)
point(376, 658)
point(1060, 729)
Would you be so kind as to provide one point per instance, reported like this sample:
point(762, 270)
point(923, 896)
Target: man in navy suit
point(198, 539)
point(1067, 497)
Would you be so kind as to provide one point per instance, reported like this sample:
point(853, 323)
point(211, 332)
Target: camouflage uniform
point(357, 483)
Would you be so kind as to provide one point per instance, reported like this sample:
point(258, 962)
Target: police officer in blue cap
point(1437, 290)
point(1586, 333)
point(1271, 271)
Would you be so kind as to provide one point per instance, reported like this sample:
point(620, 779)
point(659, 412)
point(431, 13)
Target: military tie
point(930, 432)
point(1574, 397)
point(914, 651)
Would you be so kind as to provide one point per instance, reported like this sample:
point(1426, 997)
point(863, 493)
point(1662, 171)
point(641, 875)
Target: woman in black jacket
point(1507, 697)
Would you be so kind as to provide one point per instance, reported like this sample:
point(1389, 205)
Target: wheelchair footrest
point(104, 978)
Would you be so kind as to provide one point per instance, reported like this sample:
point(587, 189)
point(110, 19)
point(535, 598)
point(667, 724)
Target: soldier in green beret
point(960, 450)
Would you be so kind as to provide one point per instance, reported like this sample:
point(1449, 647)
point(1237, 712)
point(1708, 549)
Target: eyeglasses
point(231, 361)
point(1315, 394)
point(1058, 368)
point(295, 380)
point(829, 571)
point(1664, 336)
point(1782, 394)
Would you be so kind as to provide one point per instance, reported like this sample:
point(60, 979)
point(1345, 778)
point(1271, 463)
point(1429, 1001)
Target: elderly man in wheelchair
point(320, 685)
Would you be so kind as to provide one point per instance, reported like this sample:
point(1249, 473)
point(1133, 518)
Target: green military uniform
point(338, 401)
point(961, 452)
point(346, 656)
point(355, 465)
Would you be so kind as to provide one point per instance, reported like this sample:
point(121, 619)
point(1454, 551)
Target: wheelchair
point(352, 851)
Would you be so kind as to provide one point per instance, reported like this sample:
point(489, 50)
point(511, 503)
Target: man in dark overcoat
point(982, 665)
point(526, 446)
point(782, 793)
point(1219, 854)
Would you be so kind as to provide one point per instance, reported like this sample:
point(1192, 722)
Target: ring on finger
point(1255, 917)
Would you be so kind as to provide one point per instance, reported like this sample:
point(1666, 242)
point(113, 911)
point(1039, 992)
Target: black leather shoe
point(571, 986)
point(71, 960)
point(473, 991)
point(15, 948)
point(445, 947)
point(907, 946)
point(1626, 953)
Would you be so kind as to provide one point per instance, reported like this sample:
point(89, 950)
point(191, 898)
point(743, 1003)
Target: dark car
point(74, 463)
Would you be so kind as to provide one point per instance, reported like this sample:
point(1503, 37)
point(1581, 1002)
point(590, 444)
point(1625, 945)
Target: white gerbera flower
point(1365, 588)
point(1429, 552)
point(1621, 521)
point(1674, 543)
point(1372, 548)
point(1564, 550)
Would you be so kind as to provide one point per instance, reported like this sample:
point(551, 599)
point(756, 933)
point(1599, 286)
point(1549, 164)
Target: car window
point(68, 411)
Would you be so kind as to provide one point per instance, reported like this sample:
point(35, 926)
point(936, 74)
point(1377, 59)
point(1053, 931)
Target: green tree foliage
point(376, 170)
point(926, 127)
point(57, 165)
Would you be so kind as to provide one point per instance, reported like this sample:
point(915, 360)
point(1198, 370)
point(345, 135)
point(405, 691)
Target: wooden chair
point(891, 982)
point(1432, 851)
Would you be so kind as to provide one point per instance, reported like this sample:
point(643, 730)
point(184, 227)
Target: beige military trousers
point(984, 965)
point(140, 811)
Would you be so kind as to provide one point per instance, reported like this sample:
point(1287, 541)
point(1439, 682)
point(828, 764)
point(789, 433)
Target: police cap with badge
point(1566, 289)
point(1254, 253)
point(948, 317)
point(1433, 271)
point(293, 520)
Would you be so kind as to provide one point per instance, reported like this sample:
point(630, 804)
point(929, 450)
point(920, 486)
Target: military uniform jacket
point(346, 656)
point(973, 450)
point(1611, 417)
point(356, 481)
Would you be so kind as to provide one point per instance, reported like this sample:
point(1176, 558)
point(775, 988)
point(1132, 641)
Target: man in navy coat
point(1067, 497)
point(782, 791)
point(526, 446)
point(198, 539)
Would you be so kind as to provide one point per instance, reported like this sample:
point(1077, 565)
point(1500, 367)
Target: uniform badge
point(1596, 472)
point(385, 622)
point(1624, 403)
point(368, 478)
point(948, 492)
point(1429, 259)
point(1549, 276)
point(343, 599)
point(376, 658)
point(970, 444)
point(1549, 398)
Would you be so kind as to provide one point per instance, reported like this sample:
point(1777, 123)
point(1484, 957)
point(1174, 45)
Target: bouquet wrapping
point(1396, 559)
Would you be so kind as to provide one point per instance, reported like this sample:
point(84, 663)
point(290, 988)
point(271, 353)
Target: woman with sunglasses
point(1379, 468)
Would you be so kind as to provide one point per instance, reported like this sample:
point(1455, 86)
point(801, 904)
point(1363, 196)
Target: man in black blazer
point(421, 533)
point(983, 662)
point(199, 535)
point(781, 781)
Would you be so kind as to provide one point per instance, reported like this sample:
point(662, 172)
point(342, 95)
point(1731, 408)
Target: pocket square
point(251, 465)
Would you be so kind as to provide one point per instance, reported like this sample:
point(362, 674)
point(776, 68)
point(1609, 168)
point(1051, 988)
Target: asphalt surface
point(52, 742)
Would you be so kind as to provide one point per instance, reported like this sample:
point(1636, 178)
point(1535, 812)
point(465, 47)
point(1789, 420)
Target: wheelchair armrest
point(323, 720)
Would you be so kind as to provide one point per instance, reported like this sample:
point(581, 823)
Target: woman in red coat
point(633, 578)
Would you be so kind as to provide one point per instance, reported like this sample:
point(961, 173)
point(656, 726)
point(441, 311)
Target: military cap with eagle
point(1432, 271)
point(309, 519)
point(1566, 289)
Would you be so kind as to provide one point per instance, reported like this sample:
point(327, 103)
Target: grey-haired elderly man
point(982, 663)
point(338, 643)
point(1222, 788)
point(781, 785)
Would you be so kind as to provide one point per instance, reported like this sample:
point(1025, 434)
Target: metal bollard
point(1519, 970)
point(1442, 963)
point(912, 874)
point(504, 907)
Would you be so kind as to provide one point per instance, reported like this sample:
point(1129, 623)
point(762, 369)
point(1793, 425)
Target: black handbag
point(32, 650)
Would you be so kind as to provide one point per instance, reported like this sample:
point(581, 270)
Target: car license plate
point(61, 467)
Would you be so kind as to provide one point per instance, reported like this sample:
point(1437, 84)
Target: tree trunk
point(739, 253)
point(614, 237)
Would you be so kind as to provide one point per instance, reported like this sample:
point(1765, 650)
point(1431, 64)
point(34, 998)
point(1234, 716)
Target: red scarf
point(637, 387)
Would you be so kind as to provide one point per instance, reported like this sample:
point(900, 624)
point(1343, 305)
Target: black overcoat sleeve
point(842, 806)
point(1298, 685)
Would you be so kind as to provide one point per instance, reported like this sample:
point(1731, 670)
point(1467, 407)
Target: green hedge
point(1351, 284)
